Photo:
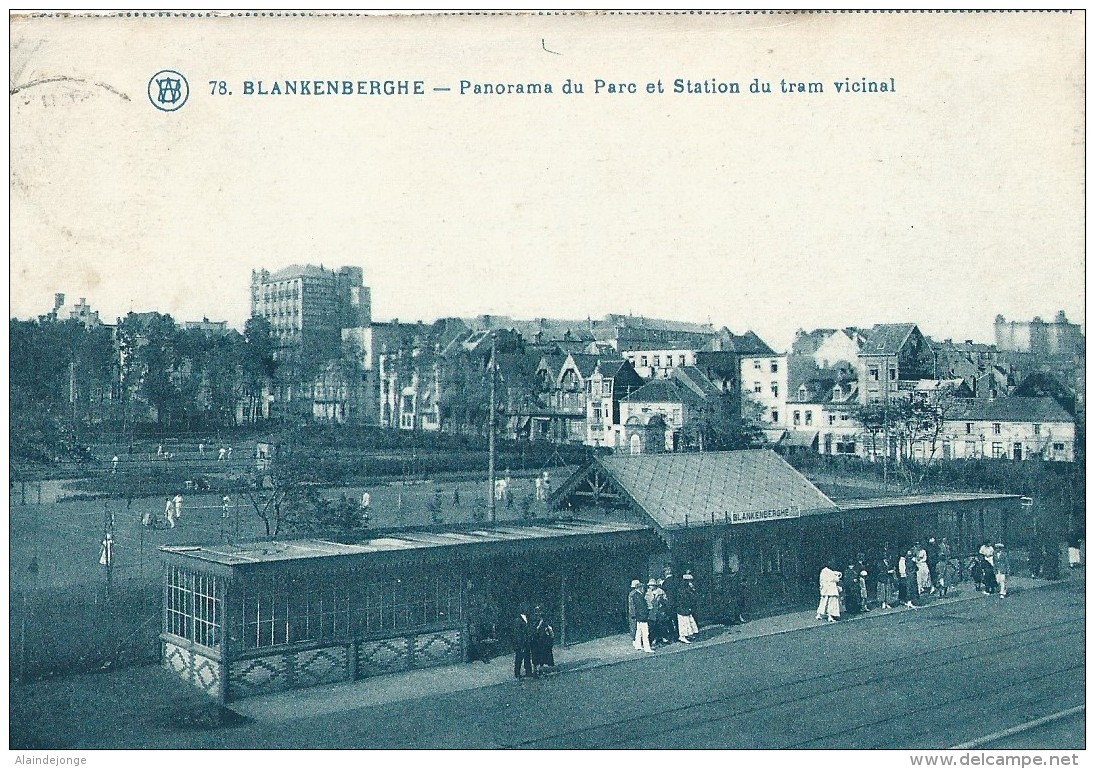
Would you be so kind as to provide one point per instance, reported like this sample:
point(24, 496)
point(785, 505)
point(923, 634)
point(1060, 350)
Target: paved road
point(923, 679)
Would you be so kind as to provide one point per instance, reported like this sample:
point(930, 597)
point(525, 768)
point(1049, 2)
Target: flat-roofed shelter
point(268, 616)
point(756, 532)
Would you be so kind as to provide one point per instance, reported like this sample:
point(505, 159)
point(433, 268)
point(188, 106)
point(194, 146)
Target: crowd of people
point(905, 577)
point(663, 612)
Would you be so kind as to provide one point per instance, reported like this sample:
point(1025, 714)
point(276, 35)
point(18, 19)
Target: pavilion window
point(194, 609)
point(399, 605)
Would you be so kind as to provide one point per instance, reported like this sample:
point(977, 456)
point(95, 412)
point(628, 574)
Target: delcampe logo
point(168, 90)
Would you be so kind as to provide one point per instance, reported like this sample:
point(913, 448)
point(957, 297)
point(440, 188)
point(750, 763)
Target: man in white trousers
point(638, 613)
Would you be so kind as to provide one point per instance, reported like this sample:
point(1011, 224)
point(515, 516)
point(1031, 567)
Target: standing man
point(522, 645)
point(932, 550)
point(639, 615)
point(169, 512)
point(672, 585)
point(224, 505)
point(1003, 568)
point(201, 450)
point(686, 611)
point(114, 465)
point(178, 507)
point(221, 454)
point(366, 498)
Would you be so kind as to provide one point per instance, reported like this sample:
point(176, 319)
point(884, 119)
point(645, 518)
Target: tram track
point(689, 717)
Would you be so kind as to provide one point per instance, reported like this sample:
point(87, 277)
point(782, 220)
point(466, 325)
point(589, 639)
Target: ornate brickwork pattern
point(278, 672)
point(321, 666)
point(388, 655)
point(195, 669)
point(431, 649)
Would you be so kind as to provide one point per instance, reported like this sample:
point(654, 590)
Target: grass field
point(65, 536)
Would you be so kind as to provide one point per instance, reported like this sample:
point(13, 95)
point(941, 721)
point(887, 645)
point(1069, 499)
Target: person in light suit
point(829, 583)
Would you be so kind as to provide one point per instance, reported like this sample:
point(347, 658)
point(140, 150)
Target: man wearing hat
point(639, 616)
point(672, 585)
point(686, 610)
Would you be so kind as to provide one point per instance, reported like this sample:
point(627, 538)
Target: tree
point(278, 495)
point(258, 365)
point(318, 516)
point(720, 425)
point(873, 417)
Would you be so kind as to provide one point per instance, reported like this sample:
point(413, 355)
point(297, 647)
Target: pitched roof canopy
point(677, 490)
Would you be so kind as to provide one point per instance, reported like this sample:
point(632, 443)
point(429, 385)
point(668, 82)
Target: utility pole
point(491, 458)
point(886, 424)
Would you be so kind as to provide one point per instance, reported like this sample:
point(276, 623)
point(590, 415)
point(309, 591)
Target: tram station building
point(242, 620)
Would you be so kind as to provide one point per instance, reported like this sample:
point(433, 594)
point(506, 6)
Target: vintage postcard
point(353, 356)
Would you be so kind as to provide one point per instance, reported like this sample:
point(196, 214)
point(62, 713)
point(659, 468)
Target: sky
point(954, 198)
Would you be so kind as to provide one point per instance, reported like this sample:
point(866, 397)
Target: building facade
point(307, 308)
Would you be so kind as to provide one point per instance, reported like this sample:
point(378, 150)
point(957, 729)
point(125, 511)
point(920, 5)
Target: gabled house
point(654, 415)
point(821, 417)
point(610, 382)
point(893, 357)
point(747, 368)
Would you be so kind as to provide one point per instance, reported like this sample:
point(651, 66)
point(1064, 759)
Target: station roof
point(689, 490)
point(549, 533)
point(922, 499)
point(693, 491)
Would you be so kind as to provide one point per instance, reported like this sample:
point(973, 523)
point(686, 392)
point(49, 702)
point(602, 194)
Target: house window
point(1037, 429)
point(596, 414)
point(1058, 447)
point(997, 450)
point(843, 417)
point(756, 387)
point(680, 359)
point(657, 361)
point(809, 417)
point(995, 428)
point(644, 360)
point(971, 448)
point(893, 374)
point(775, 415)
point(873, 373)
point(796, 418)
point(832, 419)
point(606, 387)
point(969, 428)
point(775, 389)
point(775, 367)
point(756, 365)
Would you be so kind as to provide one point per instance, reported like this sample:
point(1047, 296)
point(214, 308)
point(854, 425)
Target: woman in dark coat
point(543, 641)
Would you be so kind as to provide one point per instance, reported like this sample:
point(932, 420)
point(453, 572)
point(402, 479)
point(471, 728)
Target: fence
point(62, 632)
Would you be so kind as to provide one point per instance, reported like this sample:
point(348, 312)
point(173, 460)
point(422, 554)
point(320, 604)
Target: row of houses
point(643, 397)
point(637, 384)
